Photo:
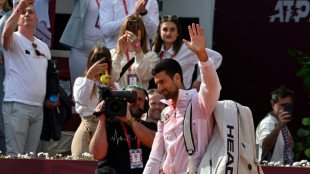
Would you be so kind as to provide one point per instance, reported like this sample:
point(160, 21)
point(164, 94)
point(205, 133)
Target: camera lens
point(115, 106)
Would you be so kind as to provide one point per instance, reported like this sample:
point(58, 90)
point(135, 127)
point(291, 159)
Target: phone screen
point(288, 107)
point(133, 26)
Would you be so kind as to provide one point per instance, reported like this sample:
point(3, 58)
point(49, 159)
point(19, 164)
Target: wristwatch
point(142, 14)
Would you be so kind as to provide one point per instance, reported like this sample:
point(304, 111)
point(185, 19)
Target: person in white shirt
point(114, 12)
point(26, 60)
point(81, 34)
point(273, 139)
point(133, 46)
point(168, 45)
point(86, 97)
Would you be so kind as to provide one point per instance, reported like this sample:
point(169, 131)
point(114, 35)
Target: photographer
point(124, 146)
point(273, 139)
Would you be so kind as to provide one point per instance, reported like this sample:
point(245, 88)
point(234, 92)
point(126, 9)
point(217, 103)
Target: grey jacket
point(74, 31)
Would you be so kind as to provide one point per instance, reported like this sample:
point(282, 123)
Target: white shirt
point(264, 128)
point(90, 19)
point(188, 59)
point(85, 104)
point(25, 72)
point(112, 16)
point(142, 67)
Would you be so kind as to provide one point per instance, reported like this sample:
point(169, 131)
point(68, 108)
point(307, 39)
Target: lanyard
point(97, 21)
point(127, 137)
point(128, 59)
point(162, 55)
point(125, 6)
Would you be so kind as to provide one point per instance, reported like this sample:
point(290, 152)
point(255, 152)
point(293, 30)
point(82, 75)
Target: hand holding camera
point(99, 108)
point(115, 103)
point(285, 115)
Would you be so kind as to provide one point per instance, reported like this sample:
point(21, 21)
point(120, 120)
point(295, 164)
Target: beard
point(135, 111)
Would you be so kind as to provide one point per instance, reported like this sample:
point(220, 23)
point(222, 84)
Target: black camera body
point(115, 102)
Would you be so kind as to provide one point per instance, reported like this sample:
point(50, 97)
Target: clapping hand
point(140, 7)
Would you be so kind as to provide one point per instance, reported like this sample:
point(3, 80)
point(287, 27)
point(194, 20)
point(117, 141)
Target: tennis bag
point(231, 149)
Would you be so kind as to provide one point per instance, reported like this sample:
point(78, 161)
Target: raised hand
point(198, 42)
point(97, 68)
point(283, 118)
point(122, 44)
point(132, 38)
point(23, 4)
point(140, 7)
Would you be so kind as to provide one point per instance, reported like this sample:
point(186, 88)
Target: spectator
point(156, 106)
point(169, 138)
point(124, 148)
point(81, 34)
point(168, 44)
point(132, 46)
point(25, 67)
point(273, 139)
point(114, 12)
point(86, 97)
point(5, 14)
point(5, 6)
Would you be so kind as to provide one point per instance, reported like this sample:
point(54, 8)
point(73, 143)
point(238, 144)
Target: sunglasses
point(169, 17)
point(38, 53)
point(151, 91)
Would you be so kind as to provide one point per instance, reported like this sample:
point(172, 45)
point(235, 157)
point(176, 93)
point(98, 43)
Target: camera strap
point(127, 66)
point(127, 137)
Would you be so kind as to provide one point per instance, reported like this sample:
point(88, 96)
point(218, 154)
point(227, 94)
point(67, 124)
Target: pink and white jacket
point(169, 137)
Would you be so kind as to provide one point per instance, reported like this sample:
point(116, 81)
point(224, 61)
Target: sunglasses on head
point(170, 17)
point(38, 53)
point(151, 91)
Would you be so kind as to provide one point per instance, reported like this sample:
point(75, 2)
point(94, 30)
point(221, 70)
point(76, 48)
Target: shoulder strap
point(187, 130)
point(124, 69)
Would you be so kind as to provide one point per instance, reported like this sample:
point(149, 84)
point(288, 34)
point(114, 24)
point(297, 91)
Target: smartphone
point(288, 107)
point(133, 26)
point(99, 56)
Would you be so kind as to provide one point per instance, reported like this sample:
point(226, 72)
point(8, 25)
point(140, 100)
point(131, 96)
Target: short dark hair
point(170, 66)
point(282, 92)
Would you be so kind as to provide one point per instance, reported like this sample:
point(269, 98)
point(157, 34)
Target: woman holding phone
point(132, 48)
point(86, 97)
point(168, 44)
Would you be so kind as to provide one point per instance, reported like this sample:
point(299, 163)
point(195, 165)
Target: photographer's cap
point(136, 86)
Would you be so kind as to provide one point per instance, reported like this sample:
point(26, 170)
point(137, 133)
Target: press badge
point(136, 158)
point(133, 79)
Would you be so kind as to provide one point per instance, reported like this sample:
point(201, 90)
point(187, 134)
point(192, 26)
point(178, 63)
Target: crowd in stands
point(115, 45)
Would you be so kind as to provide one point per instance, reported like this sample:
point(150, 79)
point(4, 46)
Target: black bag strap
point(187, 130)
point(124, 69)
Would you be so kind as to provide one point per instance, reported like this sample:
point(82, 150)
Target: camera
point(115, 102)
point(288, 107)
point(133, 26)
point(99, 56)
